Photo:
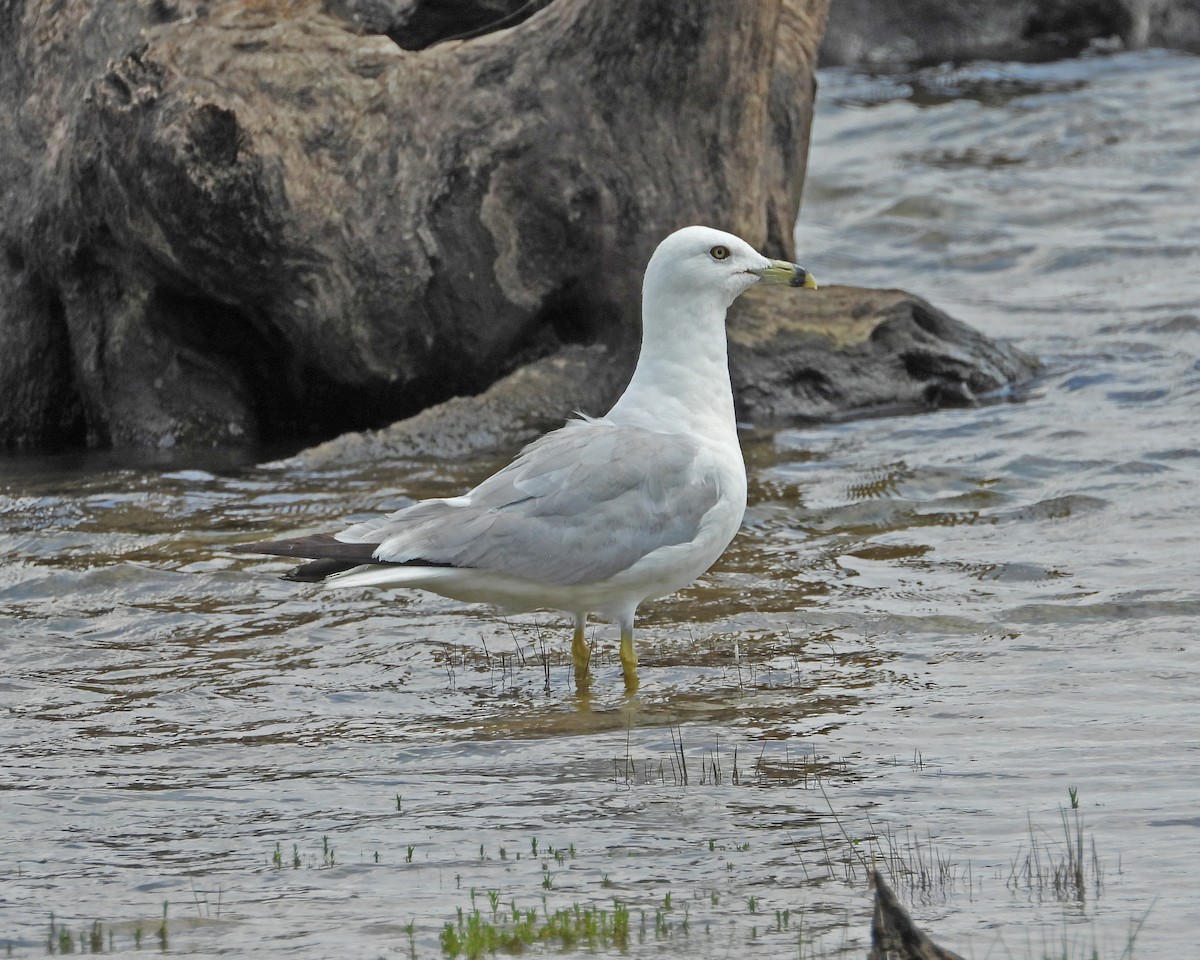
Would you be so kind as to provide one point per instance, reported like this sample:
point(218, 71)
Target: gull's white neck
point(681, 382)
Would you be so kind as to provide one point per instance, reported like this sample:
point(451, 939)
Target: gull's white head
point(681, 382)
point(703, 262)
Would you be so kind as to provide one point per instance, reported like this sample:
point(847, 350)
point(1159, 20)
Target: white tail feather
point(393, 575)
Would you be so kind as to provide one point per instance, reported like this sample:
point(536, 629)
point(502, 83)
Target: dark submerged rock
point(899, 33)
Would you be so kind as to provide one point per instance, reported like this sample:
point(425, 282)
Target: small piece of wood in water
point(894, 936)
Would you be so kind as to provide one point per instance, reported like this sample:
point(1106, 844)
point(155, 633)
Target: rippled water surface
point(932, 632)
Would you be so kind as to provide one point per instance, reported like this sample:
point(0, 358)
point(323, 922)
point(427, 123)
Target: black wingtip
point(318, 570)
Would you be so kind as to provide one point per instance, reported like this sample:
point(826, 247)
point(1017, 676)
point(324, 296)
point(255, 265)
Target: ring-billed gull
point(604, 512)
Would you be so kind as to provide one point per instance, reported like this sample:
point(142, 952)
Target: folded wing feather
point(577, 506)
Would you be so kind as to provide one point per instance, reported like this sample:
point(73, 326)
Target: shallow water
point(931, 629)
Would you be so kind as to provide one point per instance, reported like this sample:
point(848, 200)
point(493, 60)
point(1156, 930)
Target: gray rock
point(848, 350)
point(532, 400)
point(808, 355)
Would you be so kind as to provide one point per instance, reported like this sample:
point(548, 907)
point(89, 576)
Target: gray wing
point(577, 506)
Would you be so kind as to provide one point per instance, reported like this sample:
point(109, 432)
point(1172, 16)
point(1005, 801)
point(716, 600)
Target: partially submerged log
point(232, 222)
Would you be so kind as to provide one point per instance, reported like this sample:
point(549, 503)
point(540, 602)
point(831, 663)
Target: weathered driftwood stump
point(227, 222)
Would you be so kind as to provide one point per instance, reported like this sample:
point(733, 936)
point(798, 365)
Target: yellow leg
point(580, 653)
point(628, 659)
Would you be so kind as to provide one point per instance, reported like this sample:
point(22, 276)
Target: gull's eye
point(719, 252)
